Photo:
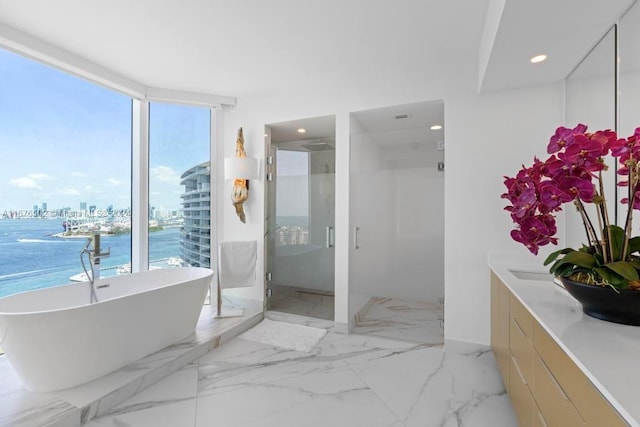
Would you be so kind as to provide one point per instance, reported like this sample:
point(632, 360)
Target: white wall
point(488, 136)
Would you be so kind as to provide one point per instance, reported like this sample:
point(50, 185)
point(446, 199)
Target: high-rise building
point(195, 242)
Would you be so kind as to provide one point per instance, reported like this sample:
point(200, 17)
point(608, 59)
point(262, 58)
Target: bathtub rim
point(206, 272)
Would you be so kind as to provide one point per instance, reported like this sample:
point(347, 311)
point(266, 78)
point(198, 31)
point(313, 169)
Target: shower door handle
point(355, 237)
point(329, 236)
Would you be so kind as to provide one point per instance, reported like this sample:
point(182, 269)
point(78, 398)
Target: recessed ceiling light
point(301, 130)
point(538, 58)
point(436, 127)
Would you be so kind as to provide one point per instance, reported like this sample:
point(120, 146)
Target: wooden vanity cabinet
point(546, 388)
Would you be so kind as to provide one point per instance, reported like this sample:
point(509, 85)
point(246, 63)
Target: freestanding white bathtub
point(55, 339)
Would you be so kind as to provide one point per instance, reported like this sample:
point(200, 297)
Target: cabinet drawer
point(552, 399)
point(538, 418)
point(500, 326)
point(521, 315)
point(591, 405)
point(521, 349)
point(521, 398)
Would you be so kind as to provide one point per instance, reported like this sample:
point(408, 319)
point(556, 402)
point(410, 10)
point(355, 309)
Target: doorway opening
point(300, 217)
point(396, 213)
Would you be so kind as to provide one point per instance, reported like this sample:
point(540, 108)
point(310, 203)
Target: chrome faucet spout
point(94, 254)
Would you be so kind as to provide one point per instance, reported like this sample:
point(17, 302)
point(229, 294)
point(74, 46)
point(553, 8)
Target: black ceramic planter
point(605, 303)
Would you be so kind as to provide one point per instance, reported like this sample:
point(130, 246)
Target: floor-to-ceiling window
point(65, 174)
point(179, 185)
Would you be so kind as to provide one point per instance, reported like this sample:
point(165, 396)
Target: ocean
point(31, 259)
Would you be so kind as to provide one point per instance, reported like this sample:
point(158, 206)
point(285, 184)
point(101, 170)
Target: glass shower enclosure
point(300, 221)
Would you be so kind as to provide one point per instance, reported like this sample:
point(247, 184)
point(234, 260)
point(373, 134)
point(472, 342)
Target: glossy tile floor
point(287, 299)
point(346, 380)
point(415, 321)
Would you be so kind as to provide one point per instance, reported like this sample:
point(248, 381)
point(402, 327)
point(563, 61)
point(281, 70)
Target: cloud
point(25, 182)
point(164, 174)
point(115, 182)
point(90, 189)
point(69, 192)
point(79, 175)
point(29, 181)
point(39, 176)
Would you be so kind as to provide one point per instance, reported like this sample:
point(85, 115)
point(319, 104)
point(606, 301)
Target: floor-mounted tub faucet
point(95, 255)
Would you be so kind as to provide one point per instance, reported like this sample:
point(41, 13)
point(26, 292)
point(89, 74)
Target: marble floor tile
point(291, 300)
point(170, 402)
point(176, 414)
point(332, 396)
point(240, 363)
point(406, 320)
point(299, 320)
point(465, 390)
point(348, 380)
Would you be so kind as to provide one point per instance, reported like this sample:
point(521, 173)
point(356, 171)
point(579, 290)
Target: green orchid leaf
point(611, 277)
point(580, 259)
point(624, 269)
point(573, 260)
point(552, 256)
point(634, 244)
point(585, 248)
point(564, 270)
point(617, 242)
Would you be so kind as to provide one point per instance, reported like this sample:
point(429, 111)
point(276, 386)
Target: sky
point(64, 141)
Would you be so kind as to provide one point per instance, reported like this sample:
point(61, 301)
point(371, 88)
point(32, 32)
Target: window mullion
point(140, 186)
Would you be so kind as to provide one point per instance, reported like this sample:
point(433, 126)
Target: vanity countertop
point(608, 353)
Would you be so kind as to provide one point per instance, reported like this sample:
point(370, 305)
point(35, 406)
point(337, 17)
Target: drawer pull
point(515, 363)
point(562, 393)
point(541, 418)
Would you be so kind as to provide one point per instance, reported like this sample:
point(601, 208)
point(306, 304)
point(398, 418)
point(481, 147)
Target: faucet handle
point(86, 245)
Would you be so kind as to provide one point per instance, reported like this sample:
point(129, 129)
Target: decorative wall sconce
point(240, 169)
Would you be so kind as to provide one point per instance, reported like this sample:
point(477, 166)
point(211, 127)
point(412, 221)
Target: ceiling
point(316, 128)
point(564, 30)
point(345, 48)
point(253, 47)
point(403, 124)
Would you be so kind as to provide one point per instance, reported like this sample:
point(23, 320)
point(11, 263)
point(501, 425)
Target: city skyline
point(65, 141)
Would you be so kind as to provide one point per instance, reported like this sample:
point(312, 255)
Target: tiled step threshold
point(76, 406)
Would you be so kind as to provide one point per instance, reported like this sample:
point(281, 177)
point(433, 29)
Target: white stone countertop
point(608, 353)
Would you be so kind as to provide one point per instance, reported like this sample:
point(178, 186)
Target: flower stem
point(633, 178)
point(606, 233)
point(592, 236)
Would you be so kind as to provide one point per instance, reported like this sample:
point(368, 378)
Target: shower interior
point(300, 218)
point(396, 213)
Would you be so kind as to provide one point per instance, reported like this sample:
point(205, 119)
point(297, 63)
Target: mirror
point(590, 98)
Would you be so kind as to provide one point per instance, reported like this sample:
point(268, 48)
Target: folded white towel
point(237, 264)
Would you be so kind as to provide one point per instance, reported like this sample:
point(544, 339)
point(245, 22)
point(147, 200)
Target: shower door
point(300, 262)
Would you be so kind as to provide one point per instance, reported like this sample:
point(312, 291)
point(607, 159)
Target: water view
point(31, 258)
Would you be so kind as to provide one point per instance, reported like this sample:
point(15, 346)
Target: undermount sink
point(532, 275)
